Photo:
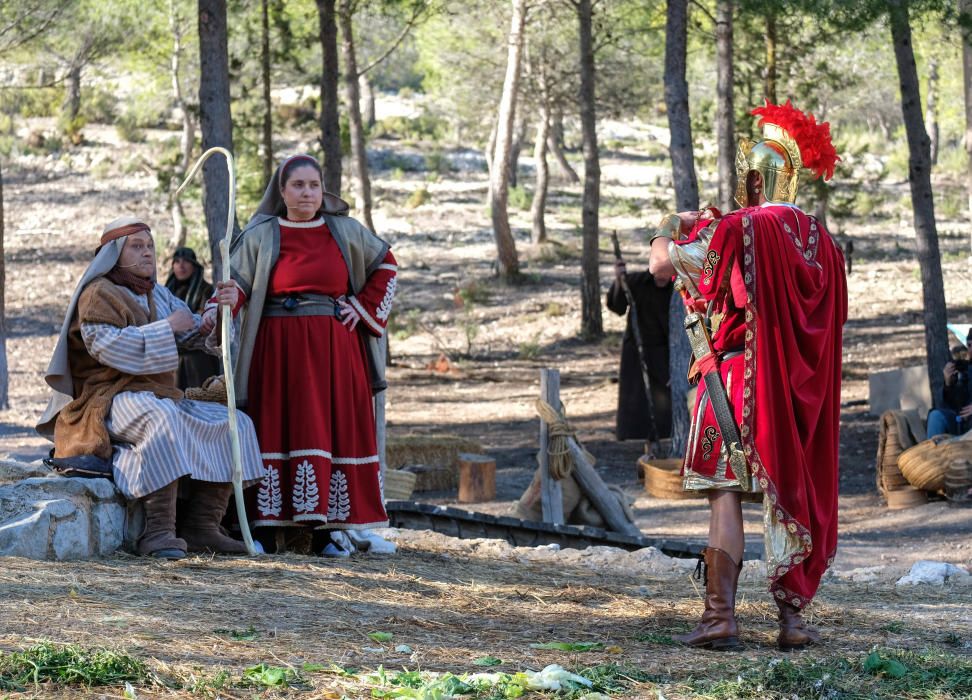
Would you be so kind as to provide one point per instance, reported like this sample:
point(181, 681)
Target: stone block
point(903, 388)
point(59, 518)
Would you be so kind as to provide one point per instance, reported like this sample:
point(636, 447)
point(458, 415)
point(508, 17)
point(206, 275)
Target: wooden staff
point(227, 337)
point(636, 332)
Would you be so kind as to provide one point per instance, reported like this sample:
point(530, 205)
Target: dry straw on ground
point(193, 619)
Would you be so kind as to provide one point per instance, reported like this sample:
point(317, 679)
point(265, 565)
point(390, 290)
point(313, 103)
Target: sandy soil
point(498, 337)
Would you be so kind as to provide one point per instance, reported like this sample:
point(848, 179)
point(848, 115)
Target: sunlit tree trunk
point(686, 198)
point(965, 7)
point(267, 146)
point(188, 136)
point(591, 323)
point(922, 201)
point(725, 117)
point(508, 263)
point(359, 156)
point(330, 77)
point(931, 110)
point(769, 85)
point(538, 208)
point(4, 369)
point(215, 120)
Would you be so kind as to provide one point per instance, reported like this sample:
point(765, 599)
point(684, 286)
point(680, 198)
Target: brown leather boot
point(204, 512)
point(717, 629)
point(795, 634)
point(159, 535)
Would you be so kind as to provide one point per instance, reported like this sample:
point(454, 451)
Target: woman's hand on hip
point(347, 314)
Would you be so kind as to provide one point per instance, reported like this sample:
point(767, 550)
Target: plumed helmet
point(792, 141)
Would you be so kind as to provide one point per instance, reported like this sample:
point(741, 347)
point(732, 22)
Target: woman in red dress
point(319, 288)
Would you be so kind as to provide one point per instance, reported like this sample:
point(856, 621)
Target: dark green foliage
point(69, 664)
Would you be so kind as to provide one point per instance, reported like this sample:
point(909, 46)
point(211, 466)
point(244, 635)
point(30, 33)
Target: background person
point(186, 282)
point(651, 299)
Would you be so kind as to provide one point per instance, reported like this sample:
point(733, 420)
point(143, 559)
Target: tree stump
point(477, 478)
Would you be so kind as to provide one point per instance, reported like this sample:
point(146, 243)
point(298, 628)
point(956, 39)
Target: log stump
point(477, 478)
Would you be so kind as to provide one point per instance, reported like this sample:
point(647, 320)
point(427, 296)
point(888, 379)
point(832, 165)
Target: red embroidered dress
point(309, 392)
point(772, 282)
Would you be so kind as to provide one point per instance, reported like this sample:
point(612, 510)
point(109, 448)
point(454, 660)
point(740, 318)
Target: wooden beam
point(551, 495)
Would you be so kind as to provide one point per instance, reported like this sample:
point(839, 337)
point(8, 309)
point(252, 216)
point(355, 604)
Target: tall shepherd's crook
point(227, 323)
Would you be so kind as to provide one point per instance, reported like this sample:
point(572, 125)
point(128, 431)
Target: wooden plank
point(551, 495)
point(595, 489)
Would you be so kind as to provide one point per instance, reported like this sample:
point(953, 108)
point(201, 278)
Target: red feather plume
point(816, 148)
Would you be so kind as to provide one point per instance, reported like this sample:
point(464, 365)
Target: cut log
point(477, 478)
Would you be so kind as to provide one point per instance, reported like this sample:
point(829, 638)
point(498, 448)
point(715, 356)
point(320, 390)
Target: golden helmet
point(791, 141)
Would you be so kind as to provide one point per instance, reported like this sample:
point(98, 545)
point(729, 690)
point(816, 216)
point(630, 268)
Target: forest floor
point(203, 618)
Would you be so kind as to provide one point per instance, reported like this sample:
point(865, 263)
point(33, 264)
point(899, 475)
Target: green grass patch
point(883, 673)
point(69, 665)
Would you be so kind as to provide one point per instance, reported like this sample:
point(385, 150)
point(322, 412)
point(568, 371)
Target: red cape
point(795, 309)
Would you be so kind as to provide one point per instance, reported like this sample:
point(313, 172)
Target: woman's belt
point(301, 305)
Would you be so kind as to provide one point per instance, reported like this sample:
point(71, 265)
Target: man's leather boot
point(794, 632)
point(200, 524)
point(717, 629)
point(159, 535)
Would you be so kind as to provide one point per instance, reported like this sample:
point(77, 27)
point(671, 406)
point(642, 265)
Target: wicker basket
point(663, 479)
point(899, 430)
point(924, 464)
point(907, 497)
point(399, 484)
point(213, 389)
point(958, 481)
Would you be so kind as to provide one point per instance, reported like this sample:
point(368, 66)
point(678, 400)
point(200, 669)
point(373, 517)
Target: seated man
point(955, 419)
point(115, 397)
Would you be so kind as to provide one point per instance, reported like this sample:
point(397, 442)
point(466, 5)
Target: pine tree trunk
point(591, 323)
point(769, 86)
point(922, 202)
point(508, 264)
point(215, 120)
point(4, 368)
point(359, 154)
point(931, 111)
point(556, 146)
point(676, 99)
point(267, 146)
point(725, 117)
point(72, 103)
point(539, 206)
point(519, 136)
point(368, 98)
point(687, 199)
point(188, 136)
point(965, 7)
point(330, 125)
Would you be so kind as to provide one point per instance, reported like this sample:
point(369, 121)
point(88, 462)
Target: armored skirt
point(310, 396)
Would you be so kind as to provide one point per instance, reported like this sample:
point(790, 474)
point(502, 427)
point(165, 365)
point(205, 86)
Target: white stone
point(15, 471)
point(932, 572)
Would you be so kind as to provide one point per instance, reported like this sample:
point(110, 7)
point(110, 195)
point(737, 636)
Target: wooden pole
point(551, 496)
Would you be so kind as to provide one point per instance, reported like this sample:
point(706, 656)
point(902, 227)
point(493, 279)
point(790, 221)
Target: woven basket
point(399, 484)
point(924, 465)
point(958, 482)
point(213, 389)
point(907, 497)
point(899, 430)
point(663, 479)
